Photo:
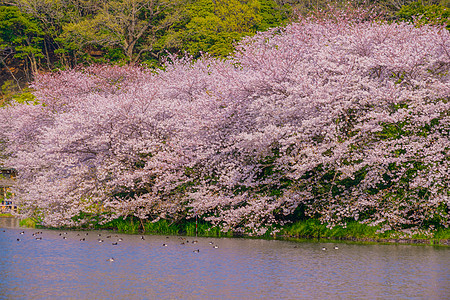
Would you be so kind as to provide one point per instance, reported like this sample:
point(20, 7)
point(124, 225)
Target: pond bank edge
point(411, 241)
point(283, 234)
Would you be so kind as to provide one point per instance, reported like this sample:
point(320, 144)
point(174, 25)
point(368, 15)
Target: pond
point(53, 264)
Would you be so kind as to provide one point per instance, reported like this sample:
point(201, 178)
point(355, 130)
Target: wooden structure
point(6, 182)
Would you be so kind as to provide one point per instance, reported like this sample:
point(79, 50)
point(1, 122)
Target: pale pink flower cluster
point(347, 120)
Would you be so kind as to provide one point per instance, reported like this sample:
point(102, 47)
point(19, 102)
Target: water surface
point(63, 266)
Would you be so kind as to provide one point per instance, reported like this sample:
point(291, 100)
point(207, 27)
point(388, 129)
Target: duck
point(110, 259)
point(196, 251)
point(324, 249)
point(164, 245)
point(142, 237)
point(215, 246)
point(336, 247)
point(100, 240)
point(115, 243)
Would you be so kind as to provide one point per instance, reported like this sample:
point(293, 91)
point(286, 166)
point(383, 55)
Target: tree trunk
point(47, 56)
point(33, 64)
point(11, 73)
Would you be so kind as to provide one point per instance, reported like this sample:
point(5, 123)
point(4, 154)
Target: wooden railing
point(7, 206)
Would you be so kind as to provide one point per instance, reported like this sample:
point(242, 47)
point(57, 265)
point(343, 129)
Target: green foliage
point(202, 228)
point(26, 96)
point(442, 233)
point(214, 27)
point(185, 227)
point(273, 14)
point(8, 89)
point(161, 227)
point(129, 224)
point(29, 223)
point(425, 14)
point(21, 34)
point(313, 228)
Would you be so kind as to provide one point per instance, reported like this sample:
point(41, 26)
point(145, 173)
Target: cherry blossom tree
point(343, 119)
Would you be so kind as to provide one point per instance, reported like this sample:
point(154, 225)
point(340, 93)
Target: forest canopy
point(41, 36)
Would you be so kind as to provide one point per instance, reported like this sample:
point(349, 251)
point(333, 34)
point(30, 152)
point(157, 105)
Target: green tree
point(131, 25)
point(20, 36)
point(213, 26)
point(425, 14)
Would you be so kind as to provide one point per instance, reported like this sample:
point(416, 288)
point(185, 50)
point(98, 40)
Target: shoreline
point(306, 232)
point(381, 241)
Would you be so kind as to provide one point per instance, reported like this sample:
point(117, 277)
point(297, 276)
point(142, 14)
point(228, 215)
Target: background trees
point(131, 25)
point(425, 14)
point(65, 33)
point(20, 37)
point(74, 32)
point(215, 26)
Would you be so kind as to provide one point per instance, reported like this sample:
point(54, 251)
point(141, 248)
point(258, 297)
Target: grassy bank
point(310, 229)
point(306, 229)
point(29, 223)
point(355, 231)
point(186, 227)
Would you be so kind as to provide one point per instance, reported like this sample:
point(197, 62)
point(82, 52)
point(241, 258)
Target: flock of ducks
point(115, 240)
point(38, 236)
